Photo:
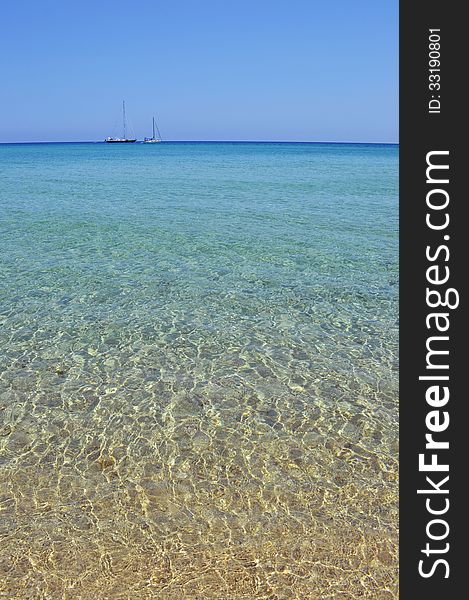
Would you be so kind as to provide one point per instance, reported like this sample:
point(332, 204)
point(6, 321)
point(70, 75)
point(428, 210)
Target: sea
point(198, 371)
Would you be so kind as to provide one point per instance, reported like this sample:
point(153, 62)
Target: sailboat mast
point(153, 127)
point(123, 118)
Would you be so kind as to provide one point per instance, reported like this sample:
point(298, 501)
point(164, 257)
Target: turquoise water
point(198, 389)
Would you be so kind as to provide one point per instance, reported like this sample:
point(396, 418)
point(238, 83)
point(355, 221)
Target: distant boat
point(124, 139)
point(154, 139)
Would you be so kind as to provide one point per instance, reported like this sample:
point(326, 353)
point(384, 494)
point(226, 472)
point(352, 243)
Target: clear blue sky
point(307, 70)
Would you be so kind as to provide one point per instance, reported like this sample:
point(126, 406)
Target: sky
point(280, 70)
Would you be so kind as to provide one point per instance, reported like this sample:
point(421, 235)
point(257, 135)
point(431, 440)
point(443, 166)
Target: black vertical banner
point(433, 266)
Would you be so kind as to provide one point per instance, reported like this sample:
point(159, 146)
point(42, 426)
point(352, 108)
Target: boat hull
point(120, 141)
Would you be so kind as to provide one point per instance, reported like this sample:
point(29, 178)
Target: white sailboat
point(153, 139)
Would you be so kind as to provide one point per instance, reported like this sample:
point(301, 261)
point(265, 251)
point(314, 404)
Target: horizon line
point(212, 142)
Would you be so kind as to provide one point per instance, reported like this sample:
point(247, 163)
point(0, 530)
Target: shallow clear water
point(198, 355)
